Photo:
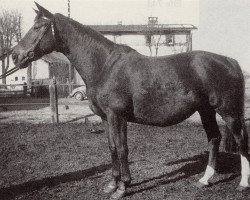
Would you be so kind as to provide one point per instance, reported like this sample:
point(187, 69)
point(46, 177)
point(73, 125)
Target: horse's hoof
point(242, 188)
point(118, 194)
point(111, 187)
point(200, 185)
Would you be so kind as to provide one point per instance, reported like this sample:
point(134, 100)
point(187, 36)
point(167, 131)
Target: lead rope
point(11, 71)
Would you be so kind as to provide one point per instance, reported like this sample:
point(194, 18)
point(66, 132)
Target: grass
point(66, 161)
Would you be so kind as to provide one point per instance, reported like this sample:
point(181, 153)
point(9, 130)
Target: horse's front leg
point(117, 136)
point(113, 184)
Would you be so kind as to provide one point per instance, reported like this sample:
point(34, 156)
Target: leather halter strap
point(30, 52)
point(46, 26)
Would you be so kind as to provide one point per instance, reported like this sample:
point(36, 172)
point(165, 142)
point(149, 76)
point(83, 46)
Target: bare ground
point(41, 161)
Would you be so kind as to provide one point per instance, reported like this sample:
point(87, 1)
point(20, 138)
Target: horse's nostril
point(14, 57)
point(31, 54)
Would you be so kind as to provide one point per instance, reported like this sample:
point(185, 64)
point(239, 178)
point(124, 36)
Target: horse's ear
point(36, 11)
point(44, 11)
point(38, 14)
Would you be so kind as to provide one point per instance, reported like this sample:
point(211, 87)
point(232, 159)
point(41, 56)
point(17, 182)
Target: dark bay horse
point(125, 86)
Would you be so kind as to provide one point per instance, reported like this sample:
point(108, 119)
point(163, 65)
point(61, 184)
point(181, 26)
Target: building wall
point(138, 42)
point(40, 70)
point(18, 77)
point(44, 70)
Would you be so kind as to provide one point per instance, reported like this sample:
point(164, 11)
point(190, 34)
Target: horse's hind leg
point(208, 118)
point(236, 127)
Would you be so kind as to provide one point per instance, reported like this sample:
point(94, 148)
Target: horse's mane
point(86, 30)
point(93, 34)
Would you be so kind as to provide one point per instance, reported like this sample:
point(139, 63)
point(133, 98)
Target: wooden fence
point(53, 101)
point(24, 90)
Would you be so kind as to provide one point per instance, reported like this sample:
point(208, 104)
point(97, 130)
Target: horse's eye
point(36, 26)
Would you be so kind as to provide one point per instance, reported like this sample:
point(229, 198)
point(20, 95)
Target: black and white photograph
point(124, 99)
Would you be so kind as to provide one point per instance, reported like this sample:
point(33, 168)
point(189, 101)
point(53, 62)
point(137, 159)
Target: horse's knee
point(215, 141)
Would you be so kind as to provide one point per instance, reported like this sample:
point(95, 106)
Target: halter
point(29, 54)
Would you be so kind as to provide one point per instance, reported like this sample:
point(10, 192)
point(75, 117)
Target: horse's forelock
point(40, 16)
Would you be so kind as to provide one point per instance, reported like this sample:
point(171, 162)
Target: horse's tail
point(230, 144)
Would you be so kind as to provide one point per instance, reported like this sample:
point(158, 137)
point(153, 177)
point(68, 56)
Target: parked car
point(79, 93)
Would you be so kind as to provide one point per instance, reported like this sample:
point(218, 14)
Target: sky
point(223, 25)
point(112, 11)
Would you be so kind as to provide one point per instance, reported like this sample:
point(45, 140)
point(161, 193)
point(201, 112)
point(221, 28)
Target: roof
point(142, 29)
point(56, 57)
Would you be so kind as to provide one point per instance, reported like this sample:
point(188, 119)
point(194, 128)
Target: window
point(23, 78)
point(16, 78)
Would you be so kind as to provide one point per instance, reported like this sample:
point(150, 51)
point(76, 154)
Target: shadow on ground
point(227, 164)
point(13, 191)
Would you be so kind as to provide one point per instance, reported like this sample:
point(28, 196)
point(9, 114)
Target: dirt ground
point(69, 111)
point(41, 161)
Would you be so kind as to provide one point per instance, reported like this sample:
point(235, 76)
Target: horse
point(125, 86)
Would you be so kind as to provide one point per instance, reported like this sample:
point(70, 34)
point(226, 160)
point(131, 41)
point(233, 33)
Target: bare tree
point(157, 43)
point(148, 38)
point(154, 41)
point(10, 33)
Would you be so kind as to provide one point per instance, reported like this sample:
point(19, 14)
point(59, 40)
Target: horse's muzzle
point(22, 60)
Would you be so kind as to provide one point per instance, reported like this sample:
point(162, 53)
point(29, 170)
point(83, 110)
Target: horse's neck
point(86, 50)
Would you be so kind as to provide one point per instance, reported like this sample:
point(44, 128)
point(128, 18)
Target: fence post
point(53, 101)
point(69, 86)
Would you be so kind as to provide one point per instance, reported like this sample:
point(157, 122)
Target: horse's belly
point(164, 117)
point(164, 112)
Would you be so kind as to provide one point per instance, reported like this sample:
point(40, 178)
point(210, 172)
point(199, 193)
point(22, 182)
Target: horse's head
point(38, 41)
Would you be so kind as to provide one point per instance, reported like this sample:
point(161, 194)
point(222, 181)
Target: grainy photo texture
point(133, 100)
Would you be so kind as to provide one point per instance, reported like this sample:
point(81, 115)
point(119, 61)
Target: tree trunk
point(7, 63)
point(3, 71)
point(156, 51)
point(150, 49)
